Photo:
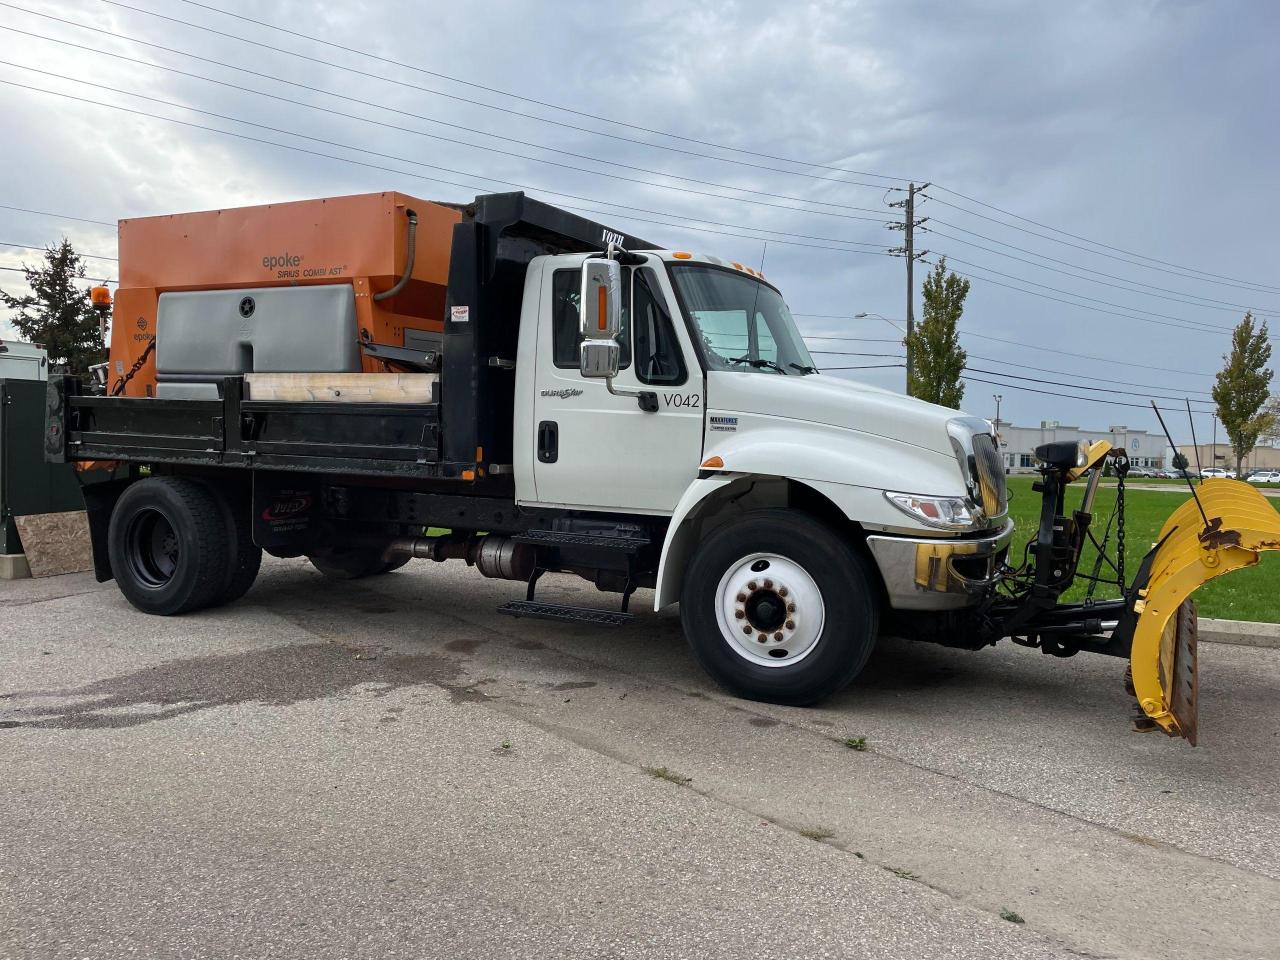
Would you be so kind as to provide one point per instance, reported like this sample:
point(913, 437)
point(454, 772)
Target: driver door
point(595, 450)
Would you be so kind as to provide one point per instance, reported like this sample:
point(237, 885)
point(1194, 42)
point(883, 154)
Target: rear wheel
point(168, 545)
point(778, 608)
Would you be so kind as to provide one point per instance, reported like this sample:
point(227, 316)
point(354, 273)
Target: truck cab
point(715, 393)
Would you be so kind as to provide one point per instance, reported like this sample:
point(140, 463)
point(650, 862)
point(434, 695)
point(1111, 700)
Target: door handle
point(548, 441)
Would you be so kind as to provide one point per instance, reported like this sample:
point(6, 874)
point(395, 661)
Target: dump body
point(359, 243)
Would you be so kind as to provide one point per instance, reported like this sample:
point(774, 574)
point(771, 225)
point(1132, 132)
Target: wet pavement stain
point(762, 722)
point(278, 676)
point(465, 646)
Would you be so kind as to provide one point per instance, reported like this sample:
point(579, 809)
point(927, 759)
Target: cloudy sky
point(1102, 172)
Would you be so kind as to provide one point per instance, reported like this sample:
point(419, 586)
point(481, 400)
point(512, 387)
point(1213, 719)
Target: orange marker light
point(100, 296)
point(681, 255)
point(602, 306)
point(713, 463)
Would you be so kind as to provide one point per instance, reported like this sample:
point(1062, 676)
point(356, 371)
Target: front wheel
point(778, 608)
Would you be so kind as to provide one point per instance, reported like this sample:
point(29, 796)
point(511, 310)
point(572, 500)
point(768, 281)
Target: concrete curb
point(14, 566)
point(1243, 633)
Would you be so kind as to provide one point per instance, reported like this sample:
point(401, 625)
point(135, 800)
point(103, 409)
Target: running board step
point(558, 538)
point(559, 611)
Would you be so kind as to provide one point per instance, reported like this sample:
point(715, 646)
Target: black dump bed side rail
point(487, 265)
point(367, 439)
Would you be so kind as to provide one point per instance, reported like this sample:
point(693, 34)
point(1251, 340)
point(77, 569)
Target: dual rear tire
point(177, 545)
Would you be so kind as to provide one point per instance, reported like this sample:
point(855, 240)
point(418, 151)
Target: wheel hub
point(770, 609)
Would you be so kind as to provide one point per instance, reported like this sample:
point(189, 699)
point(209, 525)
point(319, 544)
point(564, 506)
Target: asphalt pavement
point(390, 768)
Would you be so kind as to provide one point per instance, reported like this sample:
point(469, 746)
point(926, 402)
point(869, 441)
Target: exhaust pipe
point(499, 558)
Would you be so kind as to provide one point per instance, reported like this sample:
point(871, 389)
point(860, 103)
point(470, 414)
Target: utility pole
point(908, 250)
point(997, 398)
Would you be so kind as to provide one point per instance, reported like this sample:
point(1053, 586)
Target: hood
point(833, 401)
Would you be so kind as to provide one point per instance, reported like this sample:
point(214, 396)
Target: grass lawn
point(1250, 594)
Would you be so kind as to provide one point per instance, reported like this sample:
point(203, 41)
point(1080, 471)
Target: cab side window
point(659, 359)
point(566, 334)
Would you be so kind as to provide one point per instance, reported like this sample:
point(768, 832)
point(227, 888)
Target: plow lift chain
point(1225, 526)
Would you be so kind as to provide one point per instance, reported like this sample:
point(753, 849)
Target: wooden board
point(341, 387)
point(56, 543)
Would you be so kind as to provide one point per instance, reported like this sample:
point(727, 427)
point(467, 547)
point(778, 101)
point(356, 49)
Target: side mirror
point(601, 302)
point(599, 359)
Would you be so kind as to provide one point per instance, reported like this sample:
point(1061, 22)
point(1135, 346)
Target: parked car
point(1264, 476)
point(1214, 472)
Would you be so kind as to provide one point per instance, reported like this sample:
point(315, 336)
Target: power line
point(1069, 396)
point(1070, 303)
point(1189, 324)
point(1076, 386)
point(1023, 366)
point(870, 366)
point(28, 246)
point(569, 110)
point(373, 166)
point(1205, 276)
point(550, 105)
point(1082, 356)
point(516, 96)
point(495, 107)
point(430, 166)
point(410, 130)
point(1225, 305)
point(59, 216)
point(1015, 343)
point(89, 279)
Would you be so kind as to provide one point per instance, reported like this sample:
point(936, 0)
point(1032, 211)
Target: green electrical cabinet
point(28, 484)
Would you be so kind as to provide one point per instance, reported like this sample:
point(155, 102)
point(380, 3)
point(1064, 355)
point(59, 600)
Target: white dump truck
point(366, 380)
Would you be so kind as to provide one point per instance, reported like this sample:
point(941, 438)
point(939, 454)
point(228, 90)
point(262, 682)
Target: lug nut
point(763, 637)
point(791, 608)
point(791, 624)
point(739, 614)
point(778, 635)
point(742, 598)
point(751, 585)
point(747, 629)
point(768, 584)
point(782, 592)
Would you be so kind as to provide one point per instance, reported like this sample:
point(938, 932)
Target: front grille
point(991, 477)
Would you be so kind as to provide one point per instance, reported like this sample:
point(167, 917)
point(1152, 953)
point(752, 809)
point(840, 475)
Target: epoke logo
point(287, 507)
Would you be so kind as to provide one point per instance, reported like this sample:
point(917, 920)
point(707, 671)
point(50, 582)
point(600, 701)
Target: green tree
point(937, 360)
point(1180, 461)
point(1243, 387)
point(57, 313)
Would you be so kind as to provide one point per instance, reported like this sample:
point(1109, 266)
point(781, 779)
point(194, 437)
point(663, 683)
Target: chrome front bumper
point(936, 574)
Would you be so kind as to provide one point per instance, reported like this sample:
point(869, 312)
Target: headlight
point(947, 513)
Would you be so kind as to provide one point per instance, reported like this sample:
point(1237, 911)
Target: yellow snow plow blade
point(1241, 525)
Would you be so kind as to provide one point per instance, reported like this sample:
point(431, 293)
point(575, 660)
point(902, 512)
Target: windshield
point(743, 323)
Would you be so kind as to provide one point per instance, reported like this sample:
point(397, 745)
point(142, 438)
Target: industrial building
point(1221, 455)
point(1018, 444)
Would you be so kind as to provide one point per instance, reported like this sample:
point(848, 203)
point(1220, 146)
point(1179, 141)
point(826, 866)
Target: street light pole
point(997, 398)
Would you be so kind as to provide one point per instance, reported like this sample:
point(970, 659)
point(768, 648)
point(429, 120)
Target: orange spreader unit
point(359, 240)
